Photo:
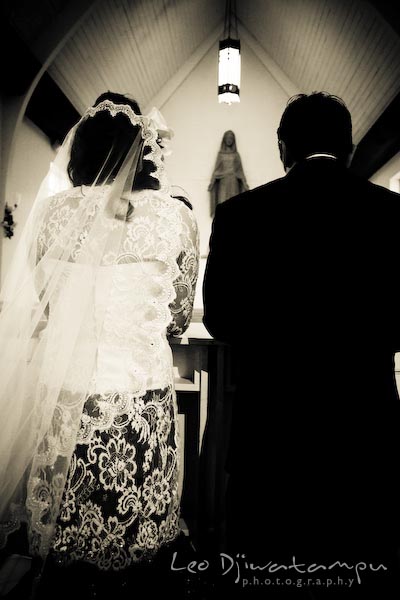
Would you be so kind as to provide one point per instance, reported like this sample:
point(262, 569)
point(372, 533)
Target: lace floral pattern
point(174, 231)
point(106, 471)
point(121, 502)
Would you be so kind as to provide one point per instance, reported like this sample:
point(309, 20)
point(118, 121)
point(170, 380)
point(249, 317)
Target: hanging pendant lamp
point(229, 58)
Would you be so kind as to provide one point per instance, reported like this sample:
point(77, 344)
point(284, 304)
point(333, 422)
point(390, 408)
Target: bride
point(105, 270)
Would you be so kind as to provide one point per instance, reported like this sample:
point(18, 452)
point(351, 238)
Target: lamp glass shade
point(229, 71)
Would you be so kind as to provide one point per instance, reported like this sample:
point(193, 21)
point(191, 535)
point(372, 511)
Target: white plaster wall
point(32, 157)
point(199, 122)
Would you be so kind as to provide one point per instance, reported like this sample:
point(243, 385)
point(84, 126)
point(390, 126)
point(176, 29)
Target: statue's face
point(229, 138)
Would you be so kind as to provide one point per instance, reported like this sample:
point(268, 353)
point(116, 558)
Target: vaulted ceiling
point(346, 47)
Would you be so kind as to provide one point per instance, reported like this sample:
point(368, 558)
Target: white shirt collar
point(321, 155)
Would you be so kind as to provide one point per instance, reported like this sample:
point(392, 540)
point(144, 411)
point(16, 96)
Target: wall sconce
point(229, 58)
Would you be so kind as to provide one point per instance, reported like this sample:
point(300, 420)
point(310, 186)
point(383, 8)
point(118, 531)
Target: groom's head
point(314, 123)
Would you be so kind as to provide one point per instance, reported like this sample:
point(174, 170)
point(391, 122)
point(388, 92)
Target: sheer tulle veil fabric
point(43, 381)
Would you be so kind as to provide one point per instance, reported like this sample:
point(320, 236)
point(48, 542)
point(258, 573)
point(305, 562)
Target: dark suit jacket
point(303, 280)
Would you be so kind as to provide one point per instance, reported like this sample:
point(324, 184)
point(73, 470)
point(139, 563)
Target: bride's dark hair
point(101, 144)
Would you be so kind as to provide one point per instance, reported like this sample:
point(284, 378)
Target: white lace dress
point(120, 501)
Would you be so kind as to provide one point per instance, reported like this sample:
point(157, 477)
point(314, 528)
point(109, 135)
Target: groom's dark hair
point(317, 122)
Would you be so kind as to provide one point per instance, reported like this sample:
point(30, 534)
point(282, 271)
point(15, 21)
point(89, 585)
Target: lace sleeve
point(185, 284)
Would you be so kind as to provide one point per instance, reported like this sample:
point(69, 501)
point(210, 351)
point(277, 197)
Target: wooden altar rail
point(204, 397)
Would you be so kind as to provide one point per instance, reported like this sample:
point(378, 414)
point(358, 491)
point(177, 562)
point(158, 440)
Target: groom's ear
point(350, 156)
point(282, 151)
point(285, 155)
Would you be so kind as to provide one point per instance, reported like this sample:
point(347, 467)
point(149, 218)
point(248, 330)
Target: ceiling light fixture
point(229, 58)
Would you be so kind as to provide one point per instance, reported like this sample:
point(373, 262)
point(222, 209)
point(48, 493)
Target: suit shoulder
point(373, 190)
point(252, 197)
point(383, 192)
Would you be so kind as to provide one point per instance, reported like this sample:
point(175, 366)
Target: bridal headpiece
point(153, 122)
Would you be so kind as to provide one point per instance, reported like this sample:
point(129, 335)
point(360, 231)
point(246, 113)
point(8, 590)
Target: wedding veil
point(46, 364)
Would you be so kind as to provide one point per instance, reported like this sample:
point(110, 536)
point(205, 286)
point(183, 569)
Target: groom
point(302, 281)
